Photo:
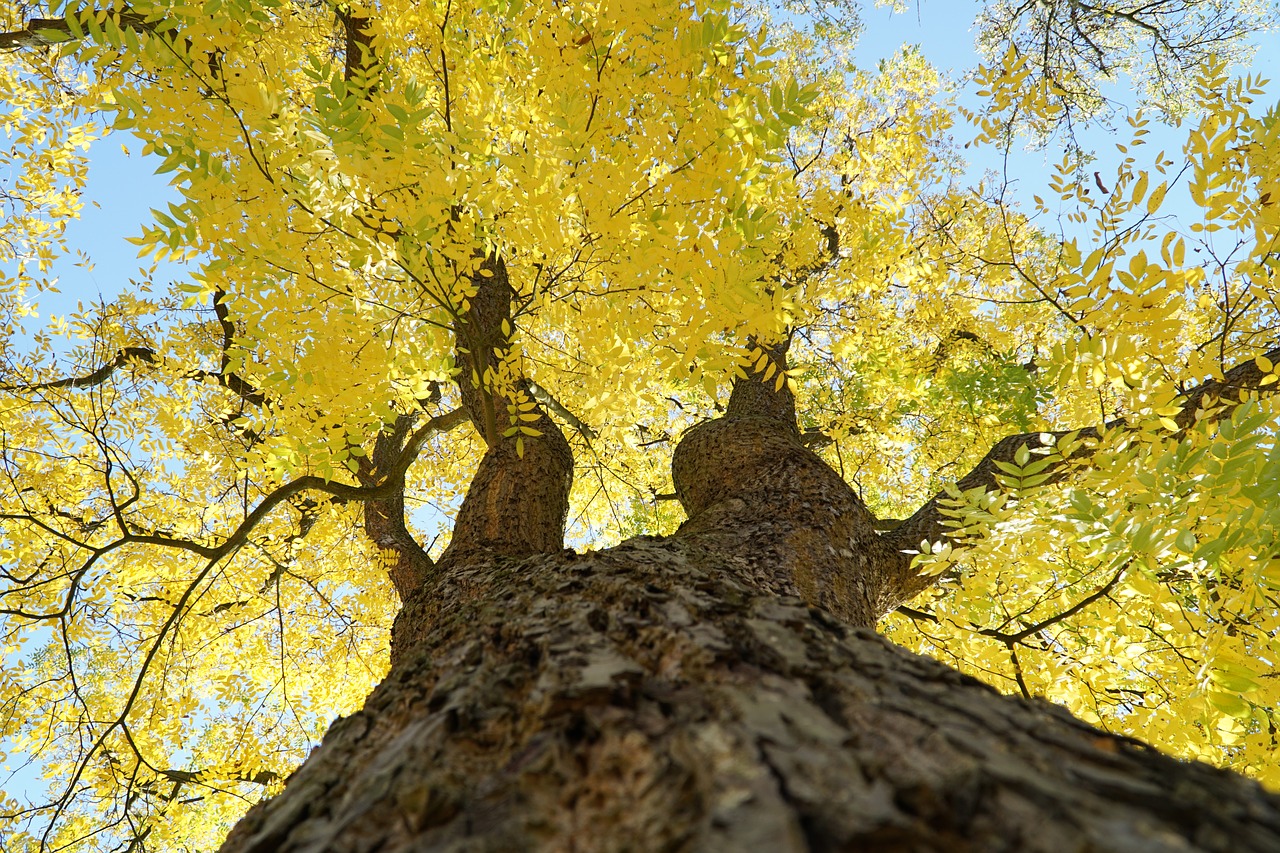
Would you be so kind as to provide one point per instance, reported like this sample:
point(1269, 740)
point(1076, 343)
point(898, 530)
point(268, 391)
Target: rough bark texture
point(517, 501)
point(757, 496)
point(642, 699)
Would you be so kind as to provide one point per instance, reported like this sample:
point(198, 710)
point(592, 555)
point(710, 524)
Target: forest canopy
point(192, 582)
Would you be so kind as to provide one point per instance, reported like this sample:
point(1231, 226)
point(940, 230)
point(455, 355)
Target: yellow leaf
point(1157, 198)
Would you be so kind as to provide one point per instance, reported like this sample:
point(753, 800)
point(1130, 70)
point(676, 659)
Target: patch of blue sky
point(121, 190)
point(944, 34)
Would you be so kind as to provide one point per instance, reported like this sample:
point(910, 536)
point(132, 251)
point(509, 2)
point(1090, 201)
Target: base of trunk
point(638, 699)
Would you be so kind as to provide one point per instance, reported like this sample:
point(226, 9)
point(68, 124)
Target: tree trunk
point(642, 699)
point(720, 689)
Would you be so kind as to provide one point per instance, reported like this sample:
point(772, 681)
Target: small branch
point(1017, 672)
point(231, 381)
point(261, 777)
point(1019, 636)
point(132, 355)
point(917, 615)
point(391, 482)
point(814, 437)
point(543, 396)
point(444, 66)
point(97, 377)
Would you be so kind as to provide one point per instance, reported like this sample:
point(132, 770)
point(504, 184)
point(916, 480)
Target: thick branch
point(760, 394)
point(517, 502)
point(702, 473)
point(358, 53)
point(1219, 397)
point(1243, 377)
point(406, 561)
point(756, 495)
point(42, 32)
point(483, 336)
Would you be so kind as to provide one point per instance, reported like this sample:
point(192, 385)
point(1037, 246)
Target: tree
point(511, 261)
point(1080, 45)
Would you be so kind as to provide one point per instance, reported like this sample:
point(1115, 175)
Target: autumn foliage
point(190, 585)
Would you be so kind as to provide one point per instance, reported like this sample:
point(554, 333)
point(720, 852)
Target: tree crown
point(1062, 407)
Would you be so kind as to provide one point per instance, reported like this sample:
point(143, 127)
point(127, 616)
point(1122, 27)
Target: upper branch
point(233, 382)
point(1217, 397)
point(764, 393)
point(359, 58)
point(229, 380)
point(38, 30)
point(97, 377)
point(517, 502)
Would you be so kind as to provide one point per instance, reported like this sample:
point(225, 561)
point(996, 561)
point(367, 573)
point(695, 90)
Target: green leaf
point(1022, 456)
point(1230, 704)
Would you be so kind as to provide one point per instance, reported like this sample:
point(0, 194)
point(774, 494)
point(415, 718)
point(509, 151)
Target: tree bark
point(719, 689)
point(645, 698)
point(788, 522)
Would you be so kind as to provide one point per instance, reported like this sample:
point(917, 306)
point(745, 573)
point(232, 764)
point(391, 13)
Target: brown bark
point(405, 560)
point(644, 698)
point(754, 493)
point(42, 32)
point(517, 501)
